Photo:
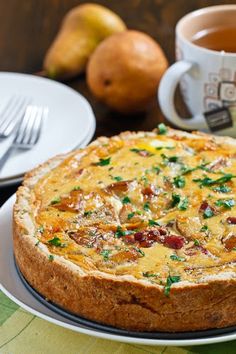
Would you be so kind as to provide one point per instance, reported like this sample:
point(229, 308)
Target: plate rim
point(87, 106)
point(7, 207)
point(5, 182)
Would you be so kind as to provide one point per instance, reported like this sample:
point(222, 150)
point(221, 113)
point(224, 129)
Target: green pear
point(83, 28)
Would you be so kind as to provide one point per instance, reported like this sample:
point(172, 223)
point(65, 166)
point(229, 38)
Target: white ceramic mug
point(207, 77)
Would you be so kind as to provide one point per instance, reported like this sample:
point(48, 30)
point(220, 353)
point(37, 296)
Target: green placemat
point(24, 333)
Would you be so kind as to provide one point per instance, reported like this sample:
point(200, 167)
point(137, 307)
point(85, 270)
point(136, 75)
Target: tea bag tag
point(219, 119)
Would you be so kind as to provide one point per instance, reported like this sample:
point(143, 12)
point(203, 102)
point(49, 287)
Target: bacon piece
point(231, 220)
point(130, 238)
point(146, 238)
point(204, 206)
point(117, 187)
point(90, 237)
point(150, 190)
point(81, 238)
point(143, 153)
point(203, 249)
point(140, 236)
point(80, 171)
point(121, 186)
point(153, 235)
point(162, 231)
point(193, 250)
point(174, 241)
point(72, 202)
point(230, 242)
point(146, 243)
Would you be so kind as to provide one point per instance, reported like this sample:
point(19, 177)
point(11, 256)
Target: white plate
point(12, 286)
point(4, 182)
point(69, 121)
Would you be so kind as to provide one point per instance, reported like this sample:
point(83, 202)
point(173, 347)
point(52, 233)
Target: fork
point(28, 131)
point(12, 113)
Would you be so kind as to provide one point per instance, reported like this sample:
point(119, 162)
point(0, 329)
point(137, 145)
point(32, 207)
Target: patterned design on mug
point(220, 91)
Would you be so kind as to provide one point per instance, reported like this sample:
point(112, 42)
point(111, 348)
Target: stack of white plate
point(70, 122)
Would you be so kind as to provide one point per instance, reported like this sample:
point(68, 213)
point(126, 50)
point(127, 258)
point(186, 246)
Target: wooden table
point(28, 27)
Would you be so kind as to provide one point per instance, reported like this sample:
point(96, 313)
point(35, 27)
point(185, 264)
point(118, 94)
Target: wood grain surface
point(27, 28)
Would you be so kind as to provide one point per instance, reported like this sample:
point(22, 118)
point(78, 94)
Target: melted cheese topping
point(156, 206)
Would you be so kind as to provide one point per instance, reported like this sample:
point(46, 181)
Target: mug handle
point(166, 93)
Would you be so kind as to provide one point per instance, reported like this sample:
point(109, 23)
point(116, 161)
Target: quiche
point(136, 231)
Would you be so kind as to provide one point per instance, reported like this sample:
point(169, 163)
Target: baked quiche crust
point(136, 231)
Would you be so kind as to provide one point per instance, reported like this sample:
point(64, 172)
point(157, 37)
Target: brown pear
point(124, 71)
point(82, 29)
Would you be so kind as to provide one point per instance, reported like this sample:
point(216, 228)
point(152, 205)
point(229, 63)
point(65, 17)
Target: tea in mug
point(221, 38)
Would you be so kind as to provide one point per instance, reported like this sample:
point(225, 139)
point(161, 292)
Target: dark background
point(27, 28)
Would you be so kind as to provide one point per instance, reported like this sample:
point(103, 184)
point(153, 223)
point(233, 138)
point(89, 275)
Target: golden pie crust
point(136, 231)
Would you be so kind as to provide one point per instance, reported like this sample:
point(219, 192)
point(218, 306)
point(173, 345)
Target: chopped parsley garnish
point(142, 152)
point(165, 147)
point(137, 150)
point(183, 204)
point(55, 200)
point(103, 162)
point(146, 206)
point(140, 251)
point(56, 242)
point(119, 232)
point(179, 181)
point(207, 181)
point(76, 188)
point(105, 254)
point(169, 281)
point(222, 189)
point(196, 243)
point(126, 200)
point(130, 215)
point(174, 257)
point(204, 228)
point(175, 199)
point(36, 243)
point(145, 180)
point(51, 258)
point(162, 129)
point(156, 169)
point(208, 212)
point(150, 275)
point(204, 168)
point(88, 213)
point(185, 169)
point(226, 203)
point(117, 178)
point(168, 159)
point(153, 223)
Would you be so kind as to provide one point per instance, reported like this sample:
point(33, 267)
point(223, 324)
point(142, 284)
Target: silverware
point(11, 114)
point(28, 131)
